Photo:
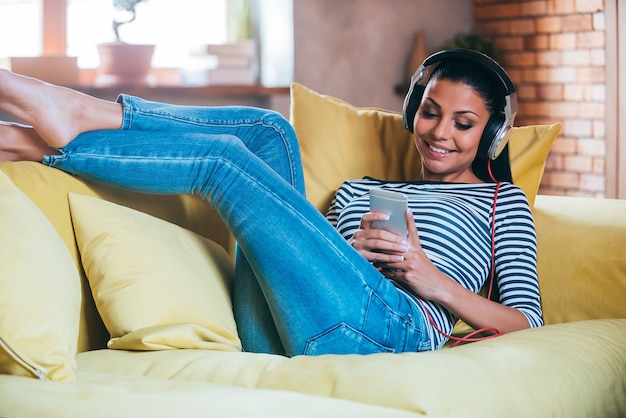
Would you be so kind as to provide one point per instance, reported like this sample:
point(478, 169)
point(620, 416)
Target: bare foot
point(58, 114)
point(22, 143)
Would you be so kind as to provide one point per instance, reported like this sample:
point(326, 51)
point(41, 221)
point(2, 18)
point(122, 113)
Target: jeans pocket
point(343, 339)
point(400, 328)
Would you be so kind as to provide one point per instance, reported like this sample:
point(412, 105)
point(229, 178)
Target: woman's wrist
point(444, 292)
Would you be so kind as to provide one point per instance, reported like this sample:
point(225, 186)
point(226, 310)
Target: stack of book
point(236, 63)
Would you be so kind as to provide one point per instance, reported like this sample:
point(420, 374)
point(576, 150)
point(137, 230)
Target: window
point(176, 27)
point(20, 28)
point(167, 24)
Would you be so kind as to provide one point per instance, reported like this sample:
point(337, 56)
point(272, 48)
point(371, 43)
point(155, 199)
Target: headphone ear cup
point(494, 126)
point(411, 104)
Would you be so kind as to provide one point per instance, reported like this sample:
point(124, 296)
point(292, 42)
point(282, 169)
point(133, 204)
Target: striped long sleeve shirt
point(454, 225)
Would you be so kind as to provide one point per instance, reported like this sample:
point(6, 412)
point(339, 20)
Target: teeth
point(439, 150)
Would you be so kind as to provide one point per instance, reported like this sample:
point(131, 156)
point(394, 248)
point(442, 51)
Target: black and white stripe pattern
point(454, 224)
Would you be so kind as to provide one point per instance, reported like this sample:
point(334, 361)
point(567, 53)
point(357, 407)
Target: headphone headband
point(495, 136)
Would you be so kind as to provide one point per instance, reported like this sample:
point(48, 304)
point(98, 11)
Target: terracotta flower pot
point(122, 63)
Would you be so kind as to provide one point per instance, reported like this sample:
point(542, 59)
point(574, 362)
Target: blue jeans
point(300, 288)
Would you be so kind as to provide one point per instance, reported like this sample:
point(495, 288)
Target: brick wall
point(554, 50)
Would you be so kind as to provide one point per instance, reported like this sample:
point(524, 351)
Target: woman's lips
point(440, 152)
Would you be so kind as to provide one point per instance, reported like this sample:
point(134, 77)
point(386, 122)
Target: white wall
point(357, 49)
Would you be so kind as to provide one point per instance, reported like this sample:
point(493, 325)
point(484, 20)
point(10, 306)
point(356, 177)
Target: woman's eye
point(427, 114)
point(463, 126)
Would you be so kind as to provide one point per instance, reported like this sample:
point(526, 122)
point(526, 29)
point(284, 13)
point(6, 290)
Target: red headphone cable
point(470, 337)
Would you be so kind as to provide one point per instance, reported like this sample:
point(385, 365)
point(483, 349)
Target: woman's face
point(447, 130)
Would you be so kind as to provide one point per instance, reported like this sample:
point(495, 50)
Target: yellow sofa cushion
point(156, 285)
point(104, 395)
point(581, 258)
point(40, 292)
point(521, 373)
point(339, 142)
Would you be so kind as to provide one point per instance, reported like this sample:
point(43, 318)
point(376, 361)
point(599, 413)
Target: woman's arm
point(421, 276)
point(476, 310)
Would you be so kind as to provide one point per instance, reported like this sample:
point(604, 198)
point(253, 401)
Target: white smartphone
point(395, 205)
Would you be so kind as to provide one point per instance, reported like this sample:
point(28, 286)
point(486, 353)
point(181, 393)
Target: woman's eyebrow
point(458, 112)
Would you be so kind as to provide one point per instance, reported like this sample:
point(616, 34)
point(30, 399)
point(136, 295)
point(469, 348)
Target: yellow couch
point(90, 301)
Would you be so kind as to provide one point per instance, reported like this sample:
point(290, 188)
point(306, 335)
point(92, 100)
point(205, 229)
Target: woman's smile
point(439, 151)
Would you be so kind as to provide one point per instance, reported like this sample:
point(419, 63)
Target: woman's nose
point(443, 129)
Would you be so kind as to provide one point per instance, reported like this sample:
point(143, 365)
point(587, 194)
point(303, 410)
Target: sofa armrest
point(581, 257)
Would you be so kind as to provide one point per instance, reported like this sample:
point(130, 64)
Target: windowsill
point(190, 91)
point(165, 86)
point(276, 98)
point(167, 83)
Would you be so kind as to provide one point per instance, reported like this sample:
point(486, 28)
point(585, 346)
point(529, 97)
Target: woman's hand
point(415, 271)
point(404, 261)
point(398, 258)
point(378, 245)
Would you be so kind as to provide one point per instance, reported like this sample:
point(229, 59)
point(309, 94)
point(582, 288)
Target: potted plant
point(462, 40)
point(128, 14)
point(472, 41)
point(121, 62)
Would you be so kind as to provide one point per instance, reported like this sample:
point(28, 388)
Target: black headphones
point(496, 133)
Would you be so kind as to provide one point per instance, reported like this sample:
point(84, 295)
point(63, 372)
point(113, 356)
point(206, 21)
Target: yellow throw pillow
point(529, 147)
point(40, 292)
point(341, 142)
point(156, 285)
